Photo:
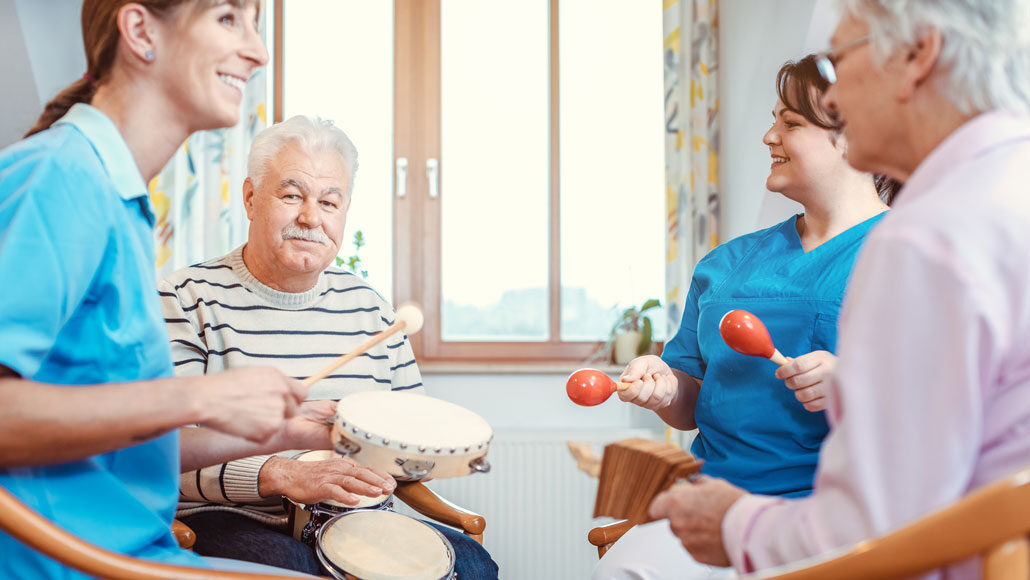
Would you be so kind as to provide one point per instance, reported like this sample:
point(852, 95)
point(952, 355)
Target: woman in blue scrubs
point(89, 415)
point(760, 426)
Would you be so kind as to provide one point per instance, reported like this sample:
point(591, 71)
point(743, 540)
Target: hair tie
point(89, 78)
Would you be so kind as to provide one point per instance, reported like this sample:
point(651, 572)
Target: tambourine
point(411, 436)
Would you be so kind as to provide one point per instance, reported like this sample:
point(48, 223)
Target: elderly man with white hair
point(277, 300)
point(931, 397)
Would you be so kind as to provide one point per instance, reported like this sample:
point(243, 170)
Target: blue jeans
point(231, 535)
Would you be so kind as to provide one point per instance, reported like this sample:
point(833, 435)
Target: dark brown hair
point(799, 87)
point(100, 37)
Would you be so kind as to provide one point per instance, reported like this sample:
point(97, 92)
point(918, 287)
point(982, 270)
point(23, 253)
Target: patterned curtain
point(691, 143)
point(198, 196)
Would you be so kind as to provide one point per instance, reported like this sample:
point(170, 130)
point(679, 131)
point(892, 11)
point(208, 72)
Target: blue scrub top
point(751, 430)
point(80, 307)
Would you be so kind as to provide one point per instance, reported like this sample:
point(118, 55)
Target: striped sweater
point(220, 317)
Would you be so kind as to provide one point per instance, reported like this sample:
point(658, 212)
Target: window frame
point(417, 217)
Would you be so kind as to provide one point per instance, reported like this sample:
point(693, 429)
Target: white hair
point(985, 55)
point(312, 135)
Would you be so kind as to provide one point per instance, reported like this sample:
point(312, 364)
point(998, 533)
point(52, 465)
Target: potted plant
point(632, 333)
point(354, 263)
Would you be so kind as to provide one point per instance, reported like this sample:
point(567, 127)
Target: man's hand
point(653, 385)
point(809, 377)
point(311, 427)
point(248, 402)
point(308, 482)
point(695, 512)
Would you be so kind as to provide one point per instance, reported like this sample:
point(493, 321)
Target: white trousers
point(653, 552)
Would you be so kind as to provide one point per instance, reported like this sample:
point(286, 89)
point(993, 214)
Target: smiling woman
point(792, 276)
point(84, 345)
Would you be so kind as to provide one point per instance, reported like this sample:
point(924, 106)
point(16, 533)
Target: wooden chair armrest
point(426, 502)
point(183, 534)
point(22, 523)
point(607, 534)
point(604, 536)
point(993, 521)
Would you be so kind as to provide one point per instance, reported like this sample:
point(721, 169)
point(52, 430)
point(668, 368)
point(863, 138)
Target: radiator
point(537, 504)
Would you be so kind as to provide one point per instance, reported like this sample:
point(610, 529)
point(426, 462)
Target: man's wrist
point(269, 477)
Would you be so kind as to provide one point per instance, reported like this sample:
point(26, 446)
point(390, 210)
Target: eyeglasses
point(827, 61)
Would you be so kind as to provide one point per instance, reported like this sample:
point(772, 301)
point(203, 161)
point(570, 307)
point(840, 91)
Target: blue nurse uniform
point(751, 430)
point(79, 307)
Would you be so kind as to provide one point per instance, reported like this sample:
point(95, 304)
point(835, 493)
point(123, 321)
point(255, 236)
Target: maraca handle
point(778, 358)
point(620, 386)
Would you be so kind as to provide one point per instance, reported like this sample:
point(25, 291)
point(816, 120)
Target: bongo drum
point(303, 521)
point(411, 436)
point(378, 545)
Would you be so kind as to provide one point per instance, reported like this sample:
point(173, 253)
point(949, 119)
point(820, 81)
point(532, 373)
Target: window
point(511, 152)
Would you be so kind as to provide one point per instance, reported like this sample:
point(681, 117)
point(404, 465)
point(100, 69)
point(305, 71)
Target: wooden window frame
point(416, 216)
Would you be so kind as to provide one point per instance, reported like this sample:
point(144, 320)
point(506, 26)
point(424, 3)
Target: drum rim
point(315, 506)
point(358, 433)
point(335, 568)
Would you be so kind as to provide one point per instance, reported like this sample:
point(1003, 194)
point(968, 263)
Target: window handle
point(433, 177)
point(402, 176)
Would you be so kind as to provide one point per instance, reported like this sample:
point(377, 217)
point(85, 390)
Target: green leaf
point(645, 337)
point(652, 303)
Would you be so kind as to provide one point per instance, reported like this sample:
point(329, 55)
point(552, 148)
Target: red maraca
point(589, 387)
point(746, 334)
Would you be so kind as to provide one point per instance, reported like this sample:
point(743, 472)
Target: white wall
point(53, 39)
point(755, 39)
point(41, 44)
point(20, 101)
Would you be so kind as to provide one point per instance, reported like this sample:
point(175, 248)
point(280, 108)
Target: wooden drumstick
point(409, 318)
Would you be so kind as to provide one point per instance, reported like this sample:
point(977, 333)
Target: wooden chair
point(426, 502)
point(992, 522)
point(39, 533)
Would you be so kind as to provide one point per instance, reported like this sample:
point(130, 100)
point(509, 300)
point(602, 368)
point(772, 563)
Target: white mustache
point(313, 235)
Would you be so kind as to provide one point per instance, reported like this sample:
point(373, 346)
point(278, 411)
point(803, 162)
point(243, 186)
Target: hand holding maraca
point(652, 384)
point(809, 377)
point(647, 382)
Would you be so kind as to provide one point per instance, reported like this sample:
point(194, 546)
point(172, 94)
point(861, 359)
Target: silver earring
point(149, 55)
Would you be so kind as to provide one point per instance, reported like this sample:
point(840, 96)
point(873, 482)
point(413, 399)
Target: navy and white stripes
point(220, 317)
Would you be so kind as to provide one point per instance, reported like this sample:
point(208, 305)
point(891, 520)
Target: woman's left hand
point(809, 377)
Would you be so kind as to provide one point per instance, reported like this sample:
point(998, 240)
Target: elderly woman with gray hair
point(931, 397)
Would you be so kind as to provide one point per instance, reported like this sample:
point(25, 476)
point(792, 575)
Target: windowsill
point(526, 368)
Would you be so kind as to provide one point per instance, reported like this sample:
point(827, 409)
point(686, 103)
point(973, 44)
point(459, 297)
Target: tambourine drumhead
point(374, 545)
point(411, 436)
point(417, 420)
point(363, 501)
